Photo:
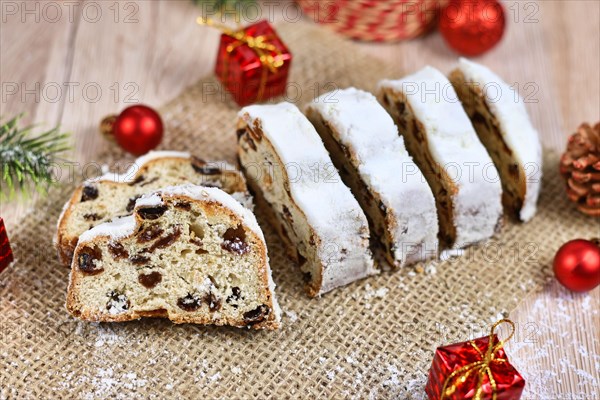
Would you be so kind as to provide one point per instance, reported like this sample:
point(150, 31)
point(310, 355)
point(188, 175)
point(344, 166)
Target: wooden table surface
point(71, 63)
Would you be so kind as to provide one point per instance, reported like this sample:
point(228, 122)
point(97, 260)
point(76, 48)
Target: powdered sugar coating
point(118, 228)
point(454, 145)
point(384, 165)
point(317, 189)
point(518, 133)
point(130, 174)
point(204, 194)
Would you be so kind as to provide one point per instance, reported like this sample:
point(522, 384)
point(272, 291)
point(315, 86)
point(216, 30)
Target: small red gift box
point(253, 63)
point(478, 369)
point(6, 255)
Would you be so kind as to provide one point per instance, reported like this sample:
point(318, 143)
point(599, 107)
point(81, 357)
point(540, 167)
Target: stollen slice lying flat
point(319, 220)
point(188, 253)
point(441, 139)
point(113, 195)
point(500, 118)
point(365, 147)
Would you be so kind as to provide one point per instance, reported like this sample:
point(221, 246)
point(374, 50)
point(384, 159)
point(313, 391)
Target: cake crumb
point(431, 269)
point(451, 253)
point(291, 315)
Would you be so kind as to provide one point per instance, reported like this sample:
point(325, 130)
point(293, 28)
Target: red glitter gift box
point(253, 63)
point(6, 255)
point(478, 369)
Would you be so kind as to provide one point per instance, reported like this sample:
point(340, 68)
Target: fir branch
point(26, 161)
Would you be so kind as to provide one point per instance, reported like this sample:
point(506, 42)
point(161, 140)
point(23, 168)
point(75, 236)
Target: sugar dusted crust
point(113, 195)
point(440, 137)
point(319, 220)
point(501, 121)
point(188, 253)
point(364, 144)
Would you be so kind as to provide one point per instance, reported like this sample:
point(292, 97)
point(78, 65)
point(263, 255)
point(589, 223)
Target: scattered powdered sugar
point(104, 334)
point(394, 378)
point(332, 373)
point(215, 377)
point(568, 361)
point(379, 293)
point(106, 380)
point(585, 304)
point(371, 293)
point(96, 378)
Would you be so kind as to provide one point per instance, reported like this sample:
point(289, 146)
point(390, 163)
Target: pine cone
point(580, 166)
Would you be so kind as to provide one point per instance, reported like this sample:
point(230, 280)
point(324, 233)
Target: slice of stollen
point(443, 143)
point(370, 155)
point(188, 253)
point(315, 214)
point(500, 118)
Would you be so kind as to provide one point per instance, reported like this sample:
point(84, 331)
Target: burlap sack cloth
point(374, 338)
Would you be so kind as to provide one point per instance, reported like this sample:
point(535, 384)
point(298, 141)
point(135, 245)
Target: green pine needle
point(220, 5)
point(26, 160)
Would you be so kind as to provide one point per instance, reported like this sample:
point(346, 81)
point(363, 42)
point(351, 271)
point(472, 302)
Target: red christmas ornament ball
point(577, 265)
point(138, 129)
point(472, 27)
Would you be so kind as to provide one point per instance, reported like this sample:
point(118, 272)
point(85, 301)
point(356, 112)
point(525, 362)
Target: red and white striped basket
point(375, 20)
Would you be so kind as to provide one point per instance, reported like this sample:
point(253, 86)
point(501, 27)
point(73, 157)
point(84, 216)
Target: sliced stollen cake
point(112, 195)
point(188, 253)
point(318, 219)
point(443, 142)
point(365, 147)
point(502, 123)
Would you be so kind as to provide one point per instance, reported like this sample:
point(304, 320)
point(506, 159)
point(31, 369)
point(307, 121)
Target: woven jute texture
point(374, 338)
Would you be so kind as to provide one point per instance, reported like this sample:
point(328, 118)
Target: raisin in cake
point(188, 253)
point(365, 147)
point(101, 199)
point(501, 121)
point(318, 219)
point(443, 142)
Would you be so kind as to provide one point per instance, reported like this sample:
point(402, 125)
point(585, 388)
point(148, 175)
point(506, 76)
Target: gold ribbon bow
point(259, 44)
point(481, 368)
